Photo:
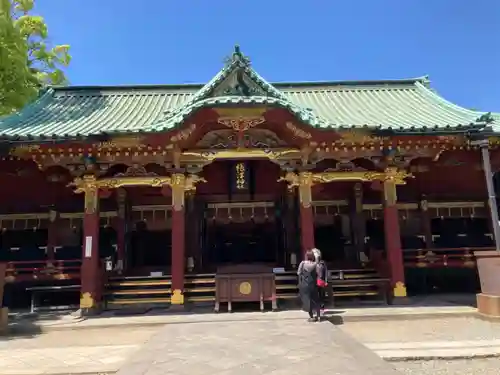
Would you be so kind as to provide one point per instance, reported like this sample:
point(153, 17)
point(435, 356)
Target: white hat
point(317, 253)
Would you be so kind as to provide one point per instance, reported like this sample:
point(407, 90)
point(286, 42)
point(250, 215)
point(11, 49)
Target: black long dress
point(308, 288)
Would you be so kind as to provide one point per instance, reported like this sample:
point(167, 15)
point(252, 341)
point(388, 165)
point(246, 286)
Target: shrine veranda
point(142, 194)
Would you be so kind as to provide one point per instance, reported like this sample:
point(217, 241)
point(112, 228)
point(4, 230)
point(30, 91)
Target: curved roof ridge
point(179, 116)
point(409, 81)
point(238, 65)
point(199, 86)
point(433, 95)
point(406, 105)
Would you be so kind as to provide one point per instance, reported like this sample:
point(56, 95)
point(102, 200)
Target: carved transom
point(136, 171)
point(257, 138)
point(242, 123)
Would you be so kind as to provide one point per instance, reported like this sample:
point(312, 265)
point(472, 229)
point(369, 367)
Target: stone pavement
point(97, 346)
point(56, 322)
point(272, 347)
point(430, 350)
point(71, 352)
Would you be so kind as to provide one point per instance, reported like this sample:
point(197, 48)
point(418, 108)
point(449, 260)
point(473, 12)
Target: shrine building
point(147, 195)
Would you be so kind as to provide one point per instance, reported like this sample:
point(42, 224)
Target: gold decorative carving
point(136, 171)
point(241, 124)
point(241, 182)
point(88, 185)
point(399, 290)
point(304, 182)
point(86, 301)
point(23, 150)
point(390, 178)
point(177, 297)
point(453, 139)
point(121, 142)
point(82, 184)
point(183, 134)
point(245, 288)
point(241, 153)
point(358, 136)
point(181, 184)
point(391, 174)
point(297, 131)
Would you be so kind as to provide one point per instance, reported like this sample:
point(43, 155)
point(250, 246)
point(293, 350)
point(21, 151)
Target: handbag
point(321, 283)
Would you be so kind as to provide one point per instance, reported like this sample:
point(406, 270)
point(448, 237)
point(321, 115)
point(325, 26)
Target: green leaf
point(27, 60)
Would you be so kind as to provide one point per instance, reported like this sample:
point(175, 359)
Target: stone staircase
point(155, 291)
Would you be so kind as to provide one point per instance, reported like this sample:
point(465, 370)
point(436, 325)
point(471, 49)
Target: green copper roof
point(401, 105)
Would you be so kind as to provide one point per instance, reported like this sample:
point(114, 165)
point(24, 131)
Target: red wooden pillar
point(52, 235)
point(306, 212)
point(91, 288)
point(178, 238)
point(120, 225)
point(393, 238)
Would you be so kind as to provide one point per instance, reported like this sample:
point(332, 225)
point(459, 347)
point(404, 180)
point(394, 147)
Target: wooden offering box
point(244, 283)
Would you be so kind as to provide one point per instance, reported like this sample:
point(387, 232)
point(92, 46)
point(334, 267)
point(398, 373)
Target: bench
point(37, 291)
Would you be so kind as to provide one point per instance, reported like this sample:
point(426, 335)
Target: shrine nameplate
point(244, 283)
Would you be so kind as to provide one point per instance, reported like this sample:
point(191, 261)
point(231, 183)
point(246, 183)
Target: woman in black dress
point(308, 288)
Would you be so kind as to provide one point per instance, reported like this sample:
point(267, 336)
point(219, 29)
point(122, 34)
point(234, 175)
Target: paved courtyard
point(252, 343)
point(272, 347)
point(64, 352)
point(281, 343)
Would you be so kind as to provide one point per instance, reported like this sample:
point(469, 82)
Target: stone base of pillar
point(94, 311)
point(4, 320)
point(400, 301)
point(177, 308)
point(177, 300)
point(488, 305)
point(398, 294)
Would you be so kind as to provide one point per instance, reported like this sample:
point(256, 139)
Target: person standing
point(308, 288)
point(322, 281)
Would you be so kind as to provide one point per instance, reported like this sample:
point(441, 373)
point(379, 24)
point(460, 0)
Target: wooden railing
point(42, 270)
point(441, 257)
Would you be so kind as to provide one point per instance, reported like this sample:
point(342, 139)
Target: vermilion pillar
point(393, 237)
point(306, 212)
point(178, 238)
point(90, 298)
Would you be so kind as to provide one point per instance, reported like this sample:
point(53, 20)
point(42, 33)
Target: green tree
point(28, 62)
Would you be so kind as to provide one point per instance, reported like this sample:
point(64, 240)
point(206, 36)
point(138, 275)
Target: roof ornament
point(426, 81)
point(237, 56)
point(486, 118)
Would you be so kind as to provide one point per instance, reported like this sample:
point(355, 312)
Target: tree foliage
point(28, 62)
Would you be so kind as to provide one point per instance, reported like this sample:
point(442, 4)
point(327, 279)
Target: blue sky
point(456, 42)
